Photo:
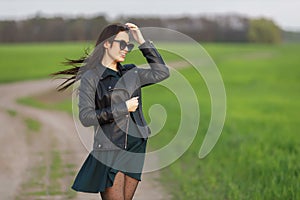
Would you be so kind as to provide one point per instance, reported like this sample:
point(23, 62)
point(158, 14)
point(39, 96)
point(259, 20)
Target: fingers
point(136, 33)
point(132, 104)
point(135, 102)
point(132, 26)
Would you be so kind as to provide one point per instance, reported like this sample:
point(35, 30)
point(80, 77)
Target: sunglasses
point(124, 44)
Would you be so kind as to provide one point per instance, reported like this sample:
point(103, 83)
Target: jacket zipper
point(126, 134)
point(97, 130)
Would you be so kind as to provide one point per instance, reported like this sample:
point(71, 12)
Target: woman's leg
point(116, 192)
point(130, 187)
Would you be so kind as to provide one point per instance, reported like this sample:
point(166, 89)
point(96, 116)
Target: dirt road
point(29, 158)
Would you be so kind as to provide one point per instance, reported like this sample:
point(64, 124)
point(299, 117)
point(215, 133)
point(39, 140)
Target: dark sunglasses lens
point(130, 47)
point(123, 44)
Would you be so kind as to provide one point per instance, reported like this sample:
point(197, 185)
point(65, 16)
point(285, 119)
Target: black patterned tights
point(123, 188)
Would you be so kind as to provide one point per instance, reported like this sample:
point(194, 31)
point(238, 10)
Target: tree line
point(226, 28)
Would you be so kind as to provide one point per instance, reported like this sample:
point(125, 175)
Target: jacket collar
point(101, 70)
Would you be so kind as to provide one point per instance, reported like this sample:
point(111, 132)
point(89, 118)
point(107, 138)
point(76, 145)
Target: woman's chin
point(121, 59)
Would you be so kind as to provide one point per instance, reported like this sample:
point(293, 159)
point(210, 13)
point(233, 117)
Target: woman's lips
point(123, 55)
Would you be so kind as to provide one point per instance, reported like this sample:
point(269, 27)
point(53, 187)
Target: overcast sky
point(286, 13)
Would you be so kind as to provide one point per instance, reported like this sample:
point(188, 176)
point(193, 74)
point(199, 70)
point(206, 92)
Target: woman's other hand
point(132, 104)
point(136, 33)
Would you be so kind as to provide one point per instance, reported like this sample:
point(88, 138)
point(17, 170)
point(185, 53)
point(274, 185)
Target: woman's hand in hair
point(136, 33)
point(132, 104)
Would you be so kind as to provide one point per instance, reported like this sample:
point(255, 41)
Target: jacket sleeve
point(108, 114)
point(87, 90)
point(88, 114)
point(158, 70)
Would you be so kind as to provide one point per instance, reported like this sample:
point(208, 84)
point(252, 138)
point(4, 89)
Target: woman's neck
point(109, 63)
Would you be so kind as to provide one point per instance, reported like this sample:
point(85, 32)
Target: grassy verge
point(12, 113)
point(32, 124)
point(46, 176)
point(64, 105)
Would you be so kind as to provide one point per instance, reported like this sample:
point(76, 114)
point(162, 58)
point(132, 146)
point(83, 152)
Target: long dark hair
point(88, 61)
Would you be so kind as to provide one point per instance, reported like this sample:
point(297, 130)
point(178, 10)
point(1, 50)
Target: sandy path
point(18, 155)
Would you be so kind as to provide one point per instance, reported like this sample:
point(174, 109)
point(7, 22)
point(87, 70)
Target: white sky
point(286, 13)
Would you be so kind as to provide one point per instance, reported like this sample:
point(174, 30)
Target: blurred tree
point(146, 22)
point(231, 28)
point(291, 36)
point(76, 29)
point(8, 31)
point(94, 27)
point(223, 28)
point(264, 31)
point(55, 30)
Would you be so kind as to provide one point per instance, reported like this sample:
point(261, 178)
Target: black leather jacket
point(102, 101)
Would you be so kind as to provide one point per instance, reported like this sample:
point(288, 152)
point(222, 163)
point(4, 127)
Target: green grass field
point(36, 60)
point(257, 154)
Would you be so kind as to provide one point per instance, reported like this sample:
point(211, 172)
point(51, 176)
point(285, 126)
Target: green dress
point(98, 171)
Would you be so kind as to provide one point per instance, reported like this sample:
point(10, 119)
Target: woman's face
point(114, 51)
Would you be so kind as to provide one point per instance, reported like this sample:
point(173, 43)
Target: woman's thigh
point(116, 192)
point(130, 187)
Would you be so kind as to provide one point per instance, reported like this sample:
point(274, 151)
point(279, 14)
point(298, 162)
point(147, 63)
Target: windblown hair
point(79, 66)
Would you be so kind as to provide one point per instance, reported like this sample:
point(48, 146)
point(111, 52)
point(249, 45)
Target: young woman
point(110, 100)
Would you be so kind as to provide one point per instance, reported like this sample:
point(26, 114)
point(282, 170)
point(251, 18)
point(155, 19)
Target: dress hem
point(107, 186)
